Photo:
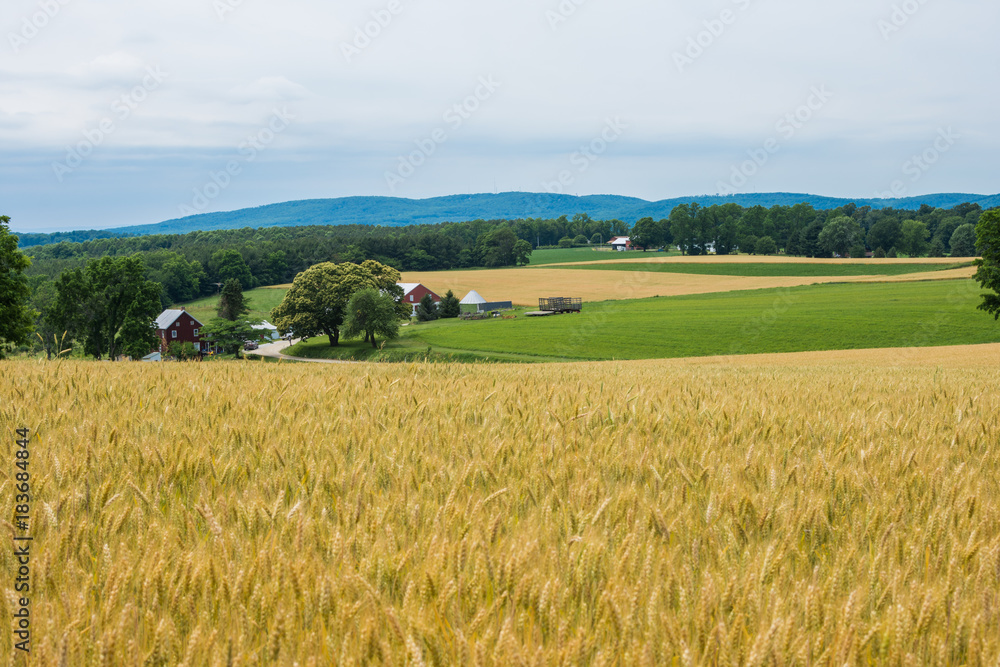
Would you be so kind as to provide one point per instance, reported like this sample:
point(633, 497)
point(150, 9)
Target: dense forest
point(191, 265)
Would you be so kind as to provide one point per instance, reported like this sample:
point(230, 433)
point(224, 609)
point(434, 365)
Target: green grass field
point(778, 269)
point(261, 301)
point(816, 317)
point(567, 255)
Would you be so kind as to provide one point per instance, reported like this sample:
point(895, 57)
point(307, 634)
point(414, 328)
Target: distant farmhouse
point(414, 292)
point(621, 243)
point(180, 326)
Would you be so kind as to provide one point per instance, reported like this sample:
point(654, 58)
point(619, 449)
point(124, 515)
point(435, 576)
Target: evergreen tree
point(427, 310)
point(232, 304)
point(450, 306)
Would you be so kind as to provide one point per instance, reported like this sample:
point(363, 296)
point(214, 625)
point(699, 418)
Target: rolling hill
point(392, 211)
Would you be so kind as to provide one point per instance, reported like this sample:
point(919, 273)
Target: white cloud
point(560, 82)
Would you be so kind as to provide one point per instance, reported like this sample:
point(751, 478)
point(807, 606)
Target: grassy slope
point(260, 300)
point(758, 269)
point(821, 317)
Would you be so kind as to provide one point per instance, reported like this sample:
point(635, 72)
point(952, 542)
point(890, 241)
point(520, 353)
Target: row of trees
point(108, 305)
point(192, 265)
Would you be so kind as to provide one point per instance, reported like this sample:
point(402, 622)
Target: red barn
point(414, 292)
point(180, 326)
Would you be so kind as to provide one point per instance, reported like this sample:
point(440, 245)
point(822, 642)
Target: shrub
point(766, 246)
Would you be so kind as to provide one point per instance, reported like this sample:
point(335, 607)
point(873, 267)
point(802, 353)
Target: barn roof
point(408, 287)
point(473, 297)
point(619, 239)
point(170, 315)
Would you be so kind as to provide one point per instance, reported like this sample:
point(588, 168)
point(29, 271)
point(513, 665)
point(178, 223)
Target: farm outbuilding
point(621, 243)
point(475, 303)
point(266, 331)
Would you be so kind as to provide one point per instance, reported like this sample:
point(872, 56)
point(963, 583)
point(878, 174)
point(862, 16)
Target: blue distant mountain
point(392, 211)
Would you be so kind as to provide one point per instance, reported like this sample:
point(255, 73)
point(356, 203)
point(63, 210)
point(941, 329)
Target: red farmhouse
point(414, 292)
point(180, 326)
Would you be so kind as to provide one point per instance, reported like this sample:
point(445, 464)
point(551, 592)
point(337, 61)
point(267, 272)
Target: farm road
point(273, 350)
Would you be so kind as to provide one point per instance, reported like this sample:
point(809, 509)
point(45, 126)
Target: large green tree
point(913, 238)
point(840, 234)
point(232, 304)
point(110, 305)
point(647, 233)
point(884, 234)
point(963, 241)
point(317, 300)
point(522, 252)
point(988, 273)
point(182, 280)
point(228, 264)
point(371, 313)
point(682, 226)
point(497, 247)
point(16, 316)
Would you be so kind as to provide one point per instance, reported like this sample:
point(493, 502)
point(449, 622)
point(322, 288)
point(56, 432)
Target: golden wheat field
point(808, 512)
point(524, 286)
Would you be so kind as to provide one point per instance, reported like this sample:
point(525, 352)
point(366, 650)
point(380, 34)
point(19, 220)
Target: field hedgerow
point(652, 513)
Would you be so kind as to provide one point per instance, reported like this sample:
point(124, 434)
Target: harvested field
point(655, 258)
point(525, 286)
point(802, 509)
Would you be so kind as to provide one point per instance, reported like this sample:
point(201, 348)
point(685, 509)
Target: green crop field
point(772, 269)
point(816, 317)
point(567, 255)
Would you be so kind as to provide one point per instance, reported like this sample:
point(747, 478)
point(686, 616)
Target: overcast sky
point(116, 112)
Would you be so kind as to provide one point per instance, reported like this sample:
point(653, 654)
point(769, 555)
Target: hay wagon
point(561, 304)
